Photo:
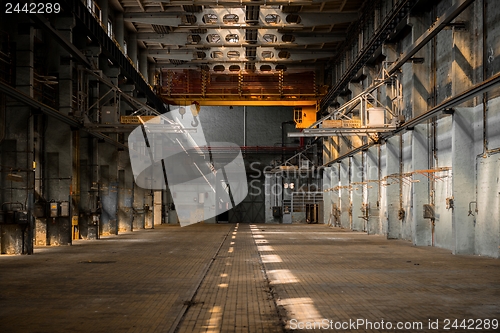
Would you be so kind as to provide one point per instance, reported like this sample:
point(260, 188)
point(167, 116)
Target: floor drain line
point(188, 303)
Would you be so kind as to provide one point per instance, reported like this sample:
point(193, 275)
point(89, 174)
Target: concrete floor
point(246, 278)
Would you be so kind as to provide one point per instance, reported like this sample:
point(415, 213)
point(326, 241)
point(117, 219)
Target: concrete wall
point(449, 162)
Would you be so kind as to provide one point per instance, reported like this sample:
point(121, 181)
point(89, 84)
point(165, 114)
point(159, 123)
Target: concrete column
point(86, 197)
point(132, 48)
point(108, 190)
point(383, 189)
point(463, 157)
point(65, 25)
point(392, 191)
point(463, 182)
point(143, 64)
point(15, 151)
point(335, 142)
point(358, 224)
point(415, 78)
point(372, 178)
point(345, 195)
point(406, 187)
point(157, 208)
point(148, 202)
point(422, 228)
point(119, 28)
point(125, 194)
point(61, 145)
point(335, 194)
point(327, 196)
point(138, 206)
point(103, 4)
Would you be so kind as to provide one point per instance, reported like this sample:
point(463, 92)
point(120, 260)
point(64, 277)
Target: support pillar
point(16, 154)
point(119, 28)
point(157, 208)
point(132, 48)
point(392, 191)
point(345, 195)
point(463, 181)
point(422, 228)
point(138, 207)
point(143, 64)
point(373, 184)
point(358, 224)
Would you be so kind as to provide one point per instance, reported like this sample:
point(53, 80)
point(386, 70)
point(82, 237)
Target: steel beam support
point(397, 15)
point(446, 105)
point(67, 45)
point(109, 48)
point(16, 94)
point(437, 26)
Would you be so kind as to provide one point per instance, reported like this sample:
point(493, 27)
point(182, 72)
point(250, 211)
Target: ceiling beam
point(140, 5)
point(307, 20)
point(181, 39)
point(234, 102)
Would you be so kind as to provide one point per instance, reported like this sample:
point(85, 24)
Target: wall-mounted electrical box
point(109, 114)
point(53, 209)
point(64, 209)
point(428, 211)
point(21, 217)
point(13, 213)
point(58, 209)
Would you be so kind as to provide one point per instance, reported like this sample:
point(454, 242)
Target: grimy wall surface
point(450, 161)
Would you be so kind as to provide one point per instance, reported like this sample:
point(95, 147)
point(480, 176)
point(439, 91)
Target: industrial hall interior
point(249, 165)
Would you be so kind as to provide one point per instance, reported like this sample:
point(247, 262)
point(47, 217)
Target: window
point(232, 38)
point(125, 51)
point(110, 28)
point(210, 18)
point(219, 68)
point(267, 54)
point(216, 54)
point(233, 54)
point(230, 18)
point(234, 68)
point(265, 68)
point(272, 18)
point(270, 38)
point(213, 38)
